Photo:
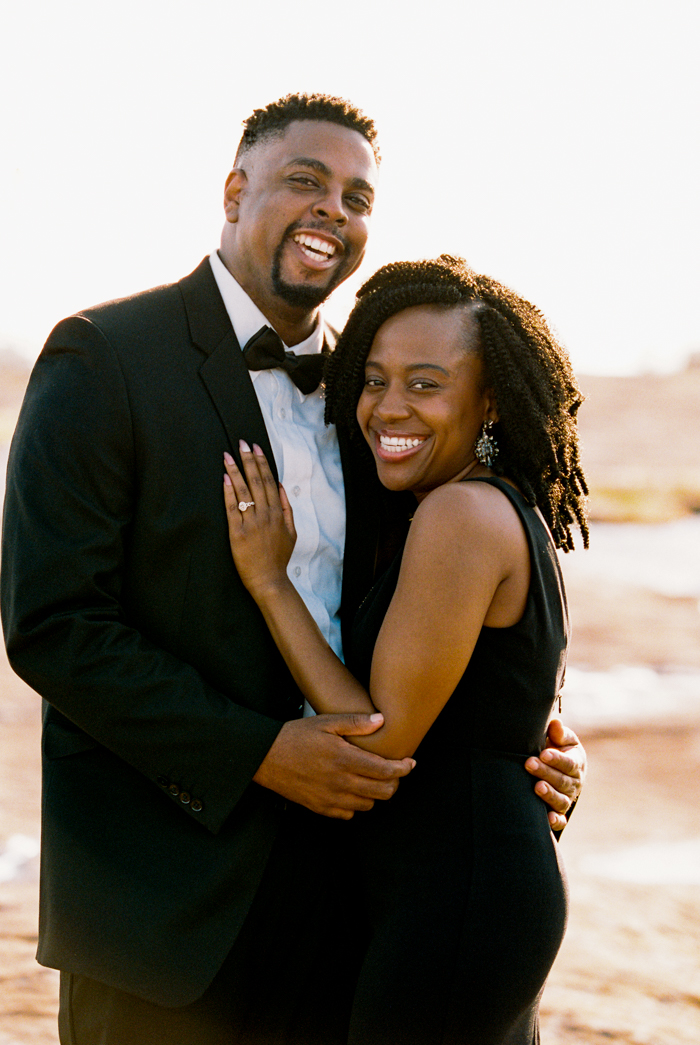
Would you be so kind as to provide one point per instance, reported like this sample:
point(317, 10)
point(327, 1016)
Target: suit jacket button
point(163, 781)
point(174, 790)
point(185, 798)
point(196, 806)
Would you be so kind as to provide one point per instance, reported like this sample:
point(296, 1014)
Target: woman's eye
point(373, 382)
point(423, 383)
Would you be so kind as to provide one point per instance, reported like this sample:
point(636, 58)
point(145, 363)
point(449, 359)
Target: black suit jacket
point(122, 608)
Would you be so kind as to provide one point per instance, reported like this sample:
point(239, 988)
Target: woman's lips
point(391, 447)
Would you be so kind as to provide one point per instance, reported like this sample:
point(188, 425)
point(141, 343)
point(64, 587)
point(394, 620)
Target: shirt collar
point(246, 318)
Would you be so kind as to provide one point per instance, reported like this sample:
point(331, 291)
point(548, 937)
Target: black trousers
point(288, 980)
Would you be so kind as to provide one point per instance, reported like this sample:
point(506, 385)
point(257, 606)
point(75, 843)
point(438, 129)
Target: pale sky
point(554, 144)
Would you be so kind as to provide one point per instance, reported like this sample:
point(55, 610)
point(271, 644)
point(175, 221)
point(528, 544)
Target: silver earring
point(485, 449)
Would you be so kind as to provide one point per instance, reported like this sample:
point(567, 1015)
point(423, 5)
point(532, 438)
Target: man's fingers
point(368, 763)
point(311, 763)
point(352, 725)
point(560, 735)
point(559, 762)
point(556, 800)
point(556, 821)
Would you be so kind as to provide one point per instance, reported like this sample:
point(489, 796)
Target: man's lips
point(322, 251)
point(394, 447)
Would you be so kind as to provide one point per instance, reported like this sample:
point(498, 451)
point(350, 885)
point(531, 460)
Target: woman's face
point(423, 401)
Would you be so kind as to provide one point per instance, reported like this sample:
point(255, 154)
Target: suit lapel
point(223, 372)
point(228, 382)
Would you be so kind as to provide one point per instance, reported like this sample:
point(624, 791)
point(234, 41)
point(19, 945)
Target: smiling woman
point(497, 361)
point(424, 400)
point(460, 645)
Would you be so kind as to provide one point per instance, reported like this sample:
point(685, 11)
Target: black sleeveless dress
point(460, 871)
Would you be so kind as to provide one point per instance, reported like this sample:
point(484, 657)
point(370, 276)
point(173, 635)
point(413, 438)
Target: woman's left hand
point(260, 522)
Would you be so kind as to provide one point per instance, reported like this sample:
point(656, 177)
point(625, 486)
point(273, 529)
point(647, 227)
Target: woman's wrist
point(269, 588)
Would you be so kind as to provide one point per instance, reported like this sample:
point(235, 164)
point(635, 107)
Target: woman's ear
point(491, 408)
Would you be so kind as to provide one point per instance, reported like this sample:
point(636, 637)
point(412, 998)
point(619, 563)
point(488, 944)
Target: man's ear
point(235, 186)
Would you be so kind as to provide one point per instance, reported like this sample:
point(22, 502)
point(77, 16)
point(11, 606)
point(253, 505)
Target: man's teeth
point(318, 246)
point(395, 444)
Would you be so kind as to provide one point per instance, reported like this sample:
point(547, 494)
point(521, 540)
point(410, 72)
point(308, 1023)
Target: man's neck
point(293, 323)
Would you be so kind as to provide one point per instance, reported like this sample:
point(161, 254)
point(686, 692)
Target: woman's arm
point(447, 589)
point(262, 540)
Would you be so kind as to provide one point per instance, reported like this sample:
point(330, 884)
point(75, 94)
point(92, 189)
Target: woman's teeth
point(396, 444)
point(313, 246)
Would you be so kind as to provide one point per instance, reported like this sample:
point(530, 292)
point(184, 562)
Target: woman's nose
point(392, 404)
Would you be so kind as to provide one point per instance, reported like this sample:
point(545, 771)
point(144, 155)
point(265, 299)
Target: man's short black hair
point(274, 119)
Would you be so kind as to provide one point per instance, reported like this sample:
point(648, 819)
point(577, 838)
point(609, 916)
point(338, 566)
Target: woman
point(467, 403)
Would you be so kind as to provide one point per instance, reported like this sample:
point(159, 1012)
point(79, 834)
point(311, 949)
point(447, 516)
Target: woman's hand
point(260, 522)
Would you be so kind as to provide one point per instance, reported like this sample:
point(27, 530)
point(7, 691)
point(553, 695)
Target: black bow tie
point(265, 350)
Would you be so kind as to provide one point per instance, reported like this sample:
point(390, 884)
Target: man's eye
point(359, 202)
point(303, 179)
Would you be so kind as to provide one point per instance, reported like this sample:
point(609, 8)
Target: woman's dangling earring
point(485, 449)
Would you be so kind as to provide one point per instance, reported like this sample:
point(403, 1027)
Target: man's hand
point(561, 768)
point(310, 763)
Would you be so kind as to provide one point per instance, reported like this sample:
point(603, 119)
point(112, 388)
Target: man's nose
point(331, 207)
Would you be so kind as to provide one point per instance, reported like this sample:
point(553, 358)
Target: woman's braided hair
point(529, 373)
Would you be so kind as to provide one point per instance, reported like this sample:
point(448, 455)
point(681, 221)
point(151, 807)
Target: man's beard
point(299, 294)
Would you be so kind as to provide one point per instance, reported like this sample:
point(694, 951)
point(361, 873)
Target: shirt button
point(296, 490)
point(297, 571)
point(283, 413)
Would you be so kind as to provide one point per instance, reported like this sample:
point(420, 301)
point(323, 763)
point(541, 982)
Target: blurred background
point(555, 145)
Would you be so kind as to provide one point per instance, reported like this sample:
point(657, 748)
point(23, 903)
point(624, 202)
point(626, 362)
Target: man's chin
point(305, 295)
point(302, 295)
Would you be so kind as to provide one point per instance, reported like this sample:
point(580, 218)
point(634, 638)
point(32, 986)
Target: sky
point(553, 144)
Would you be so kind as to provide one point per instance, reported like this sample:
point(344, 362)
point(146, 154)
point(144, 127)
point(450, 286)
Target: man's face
point(300, 207)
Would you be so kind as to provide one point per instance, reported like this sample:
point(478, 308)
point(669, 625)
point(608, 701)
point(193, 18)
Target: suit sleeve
point(71, 487)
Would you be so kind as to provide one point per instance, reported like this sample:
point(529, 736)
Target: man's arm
point(561, 768)
point(73, 482)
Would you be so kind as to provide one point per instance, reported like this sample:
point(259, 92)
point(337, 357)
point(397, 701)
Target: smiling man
point(298, 213)
point(184, 899)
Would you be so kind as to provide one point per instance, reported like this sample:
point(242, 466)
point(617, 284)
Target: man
point(172, 869)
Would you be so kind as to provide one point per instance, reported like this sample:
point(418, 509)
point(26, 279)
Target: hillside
point(640, 441)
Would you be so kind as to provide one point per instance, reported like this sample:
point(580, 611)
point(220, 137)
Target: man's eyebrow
point(322, 168)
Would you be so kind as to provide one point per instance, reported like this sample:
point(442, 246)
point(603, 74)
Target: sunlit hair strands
point(536, 394)
point(274, 119)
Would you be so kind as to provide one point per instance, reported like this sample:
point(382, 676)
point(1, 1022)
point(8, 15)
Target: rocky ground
point(629, 970)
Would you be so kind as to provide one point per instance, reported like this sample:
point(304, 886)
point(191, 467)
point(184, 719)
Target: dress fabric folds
point(460, 871)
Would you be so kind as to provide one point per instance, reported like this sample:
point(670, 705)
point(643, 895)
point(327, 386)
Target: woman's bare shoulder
point(455, 508)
